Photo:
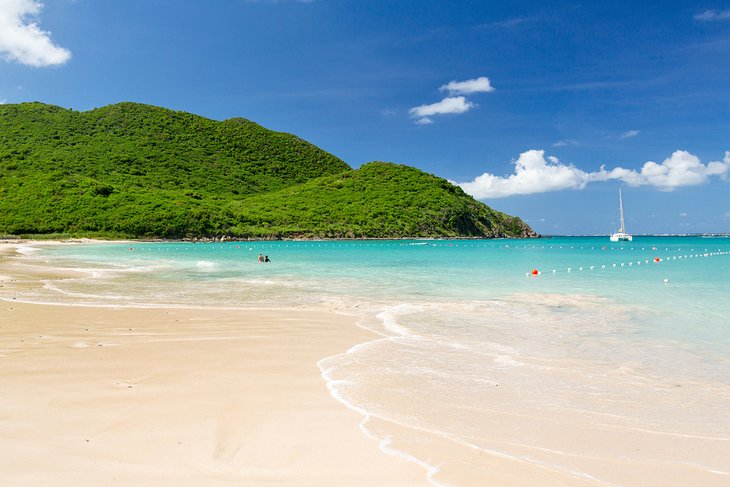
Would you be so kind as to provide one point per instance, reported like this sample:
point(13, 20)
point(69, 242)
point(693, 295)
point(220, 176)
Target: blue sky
point(541, 109)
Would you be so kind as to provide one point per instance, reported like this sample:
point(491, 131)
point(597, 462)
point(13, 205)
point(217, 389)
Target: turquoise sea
point(627, 343)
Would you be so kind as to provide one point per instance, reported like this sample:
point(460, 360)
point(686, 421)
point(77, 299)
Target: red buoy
point(657, 259)
point(535, 272)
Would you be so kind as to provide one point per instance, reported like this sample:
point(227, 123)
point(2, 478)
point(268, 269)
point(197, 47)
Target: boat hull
point(621, 237)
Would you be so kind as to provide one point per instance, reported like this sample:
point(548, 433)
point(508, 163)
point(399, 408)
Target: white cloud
point(710, 15)
point(629, 134)
point(3, 102)
point(477, 85)
point(680, 169)
point(534, 173)
point(684, 214)
point(565, 143)
point(452, 104)
point(22, 40)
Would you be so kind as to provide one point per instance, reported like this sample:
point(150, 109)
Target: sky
point(541, 109)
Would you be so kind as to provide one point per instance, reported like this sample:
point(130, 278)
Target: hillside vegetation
point(132, 170)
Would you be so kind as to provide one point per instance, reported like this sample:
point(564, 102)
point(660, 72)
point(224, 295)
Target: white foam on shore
point(431, 470)
point(26, 249)
point(99, 297)
point(389, 317)
point(383, 443)
point(206, 265)
point(536, 328)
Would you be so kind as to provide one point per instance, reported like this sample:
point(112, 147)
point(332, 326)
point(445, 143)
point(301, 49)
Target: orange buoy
point(657, 259)
point(535, 272)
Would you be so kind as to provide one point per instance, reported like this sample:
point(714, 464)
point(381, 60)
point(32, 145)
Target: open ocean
point(628, 343)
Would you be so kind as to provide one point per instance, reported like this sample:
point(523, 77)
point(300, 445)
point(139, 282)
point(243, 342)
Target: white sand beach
point(175, 397)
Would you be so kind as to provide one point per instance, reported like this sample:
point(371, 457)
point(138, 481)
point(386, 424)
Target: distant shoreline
point(10, 239)
point(34, 239)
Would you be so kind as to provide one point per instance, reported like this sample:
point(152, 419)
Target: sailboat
point(621, 235)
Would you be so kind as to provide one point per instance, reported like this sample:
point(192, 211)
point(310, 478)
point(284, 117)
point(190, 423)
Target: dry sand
point(178, 397)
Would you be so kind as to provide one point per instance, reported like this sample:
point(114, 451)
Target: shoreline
point(12, 240)
point(179, 396)
point(223, 239)
point(263, 394)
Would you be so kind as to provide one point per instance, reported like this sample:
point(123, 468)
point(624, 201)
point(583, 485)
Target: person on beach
point(261, 257)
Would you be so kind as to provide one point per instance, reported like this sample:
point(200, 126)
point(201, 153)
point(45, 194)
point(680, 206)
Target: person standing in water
point(261, 257)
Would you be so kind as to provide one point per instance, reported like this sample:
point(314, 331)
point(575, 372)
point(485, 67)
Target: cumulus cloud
point(535, 173)
point(22, 40)
point(477, 85)
point(629, 134)
point(454, 103)
point(451, 104)
point(710, 15)
point(680, 169)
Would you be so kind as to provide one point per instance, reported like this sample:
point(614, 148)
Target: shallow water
point(622, 343)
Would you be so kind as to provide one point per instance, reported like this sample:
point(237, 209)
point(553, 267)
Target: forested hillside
point(132, 170)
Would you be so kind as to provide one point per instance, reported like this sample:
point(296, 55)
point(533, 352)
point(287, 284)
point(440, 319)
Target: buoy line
point(618, 265)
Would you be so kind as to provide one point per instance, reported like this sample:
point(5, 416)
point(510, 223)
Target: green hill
point(378, 200)
point(132, 170)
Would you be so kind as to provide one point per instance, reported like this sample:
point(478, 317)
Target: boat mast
point(621, 210)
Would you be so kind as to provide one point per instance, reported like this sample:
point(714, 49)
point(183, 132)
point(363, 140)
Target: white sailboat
point(621, 235)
